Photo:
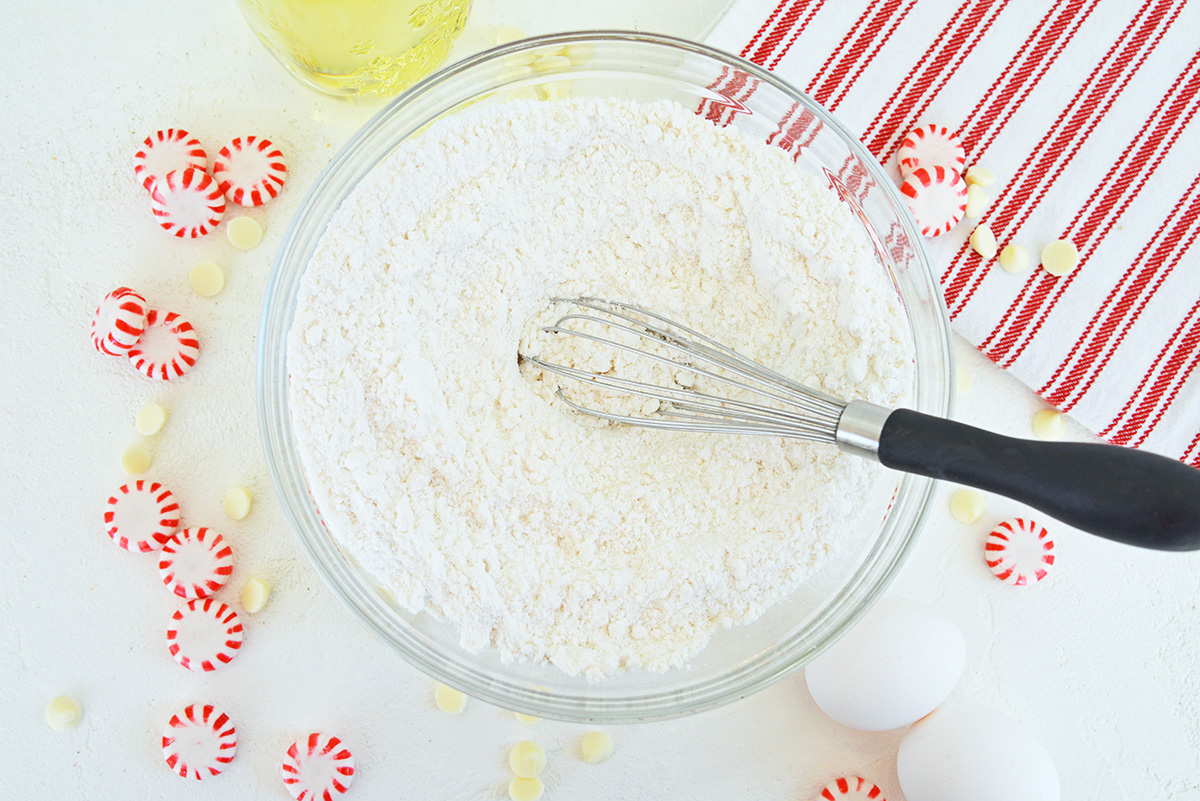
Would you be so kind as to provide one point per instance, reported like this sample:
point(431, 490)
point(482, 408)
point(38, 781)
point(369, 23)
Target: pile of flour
point(535, 532)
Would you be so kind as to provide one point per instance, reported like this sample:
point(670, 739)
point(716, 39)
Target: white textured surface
point(1099, 661)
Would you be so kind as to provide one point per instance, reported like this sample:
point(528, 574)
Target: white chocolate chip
point(521, 93)
point(580, 52)
point(1014, 259)
point(527, 759)
point(507, 34)
point(207, 279)
point(552, 91)
point(977, 201)
point(244, 233)
point(980, 176)
point(525, 789)
point(983, 241)
point(1060, 257)
point(237, 503)
point(449, 700)
point(150, 419)
point(1048, 424)
point(521, 716)
point(963, 380)
point(551, 64)
point(255, 593)
point(515, 72)
point(63, 713)
point(967, 506)
point(522, 59)
point(596, 746)
point(135, 460)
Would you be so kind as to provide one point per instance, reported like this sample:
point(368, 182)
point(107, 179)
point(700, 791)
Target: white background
point(1099, 661)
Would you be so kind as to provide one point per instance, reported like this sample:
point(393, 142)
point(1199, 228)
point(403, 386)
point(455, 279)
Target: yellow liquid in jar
point(374, 48)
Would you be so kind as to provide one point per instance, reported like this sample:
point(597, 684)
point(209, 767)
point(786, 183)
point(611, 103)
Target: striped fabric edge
point(1024, 71)
point(931, 71)
point(1045, 162)
point(851, 56)
point(1159, 385)
point(1191, 454)
point(1104, 207)
point(1043, 45)
point(1124, 304)
point(790, 17)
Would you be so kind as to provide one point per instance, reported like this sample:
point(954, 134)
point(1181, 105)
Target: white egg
point(971, 752)
point(894, 667)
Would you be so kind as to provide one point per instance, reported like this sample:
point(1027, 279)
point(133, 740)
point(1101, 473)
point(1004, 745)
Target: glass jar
point(358, 48)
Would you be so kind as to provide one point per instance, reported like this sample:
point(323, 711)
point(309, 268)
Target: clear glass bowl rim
point(875, 572)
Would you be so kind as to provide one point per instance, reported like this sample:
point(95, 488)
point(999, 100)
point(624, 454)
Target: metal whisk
point(1121, 494)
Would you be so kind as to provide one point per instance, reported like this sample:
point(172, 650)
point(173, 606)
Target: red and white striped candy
point(937, 198)
point(187, 203)
point(166, 151)
point(317, 768)
point(931, 146)
point(250, 170)
point(141, 516)
point(195, 563)
point(204, 634)
point(199, 741)
point(1019, 552)
point(167, 348)
point(119, 321)
point(852, 788)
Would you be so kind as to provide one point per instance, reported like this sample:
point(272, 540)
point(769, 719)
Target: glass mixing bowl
point(738, 661)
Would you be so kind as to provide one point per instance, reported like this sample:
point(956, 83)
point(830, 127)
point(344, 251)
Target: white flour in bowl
point(461, 488)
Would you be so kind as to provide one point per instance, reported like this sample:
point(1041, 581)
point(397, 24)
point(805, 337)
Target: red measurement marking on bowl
point(1020, 552)
point(937, 198)
point(188, 203)
point(204, 635)
point(797, 131)
point(250, 170)
point(931, 146)
point(119, 321)
point(166, 151)
point(852, 788)
point(167, 348)
point(195, 563)
point(318, 767)
point(141, 516)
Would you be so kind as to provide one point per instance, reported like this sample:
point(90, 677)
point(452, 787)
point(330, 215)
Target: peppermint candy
point(187, 203)
point(317, 768)
point(195, 563)
point(250, 170)
point(931, 146)
point(1019, 552)
point(141, 516)
point(204, 635)
point(199, 742)
point(119, 321)
point(167, 348)
point(937, 198)
point(167, 151)
point(852, 788)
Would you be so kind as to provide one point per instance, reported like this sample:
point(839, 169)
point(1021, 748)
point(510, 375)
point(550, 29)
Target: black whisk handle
point(1121, 494)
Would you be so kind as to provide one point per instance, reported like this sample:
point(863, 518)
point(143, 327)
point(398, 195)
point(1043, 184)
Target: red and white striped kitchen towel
point(1084, 109)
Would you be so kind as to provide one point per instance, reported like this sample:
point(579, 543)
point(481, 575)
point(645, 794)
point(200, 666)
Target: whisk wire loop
point(780, 406)
point(697, 344)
